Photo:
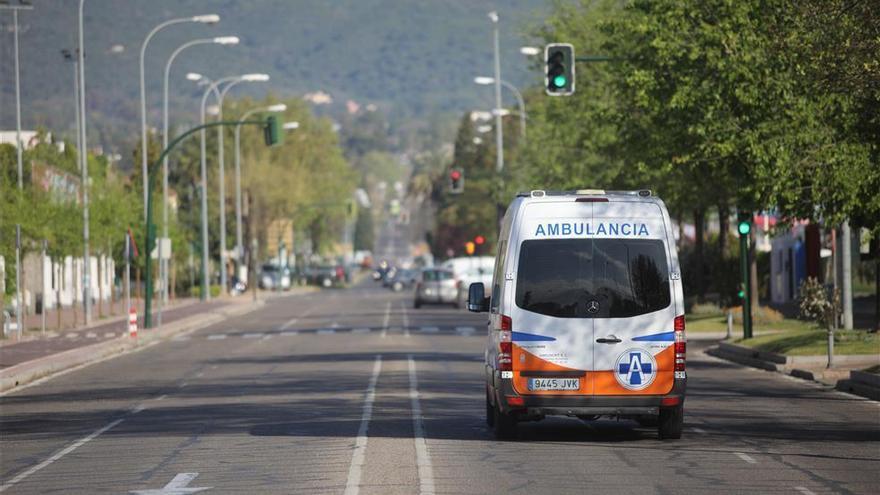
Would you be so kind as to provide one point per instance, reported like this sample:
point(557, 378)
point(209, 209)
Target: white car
point(471, 269)
point(587, 312)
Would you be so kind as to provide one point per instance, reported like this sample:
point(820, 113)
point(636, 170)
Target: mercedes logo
point(593, 306)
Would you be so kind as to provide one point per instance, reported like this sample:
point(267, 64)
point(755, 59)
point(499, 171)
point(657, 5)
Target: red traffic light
point(455, 175)
point(480, 240)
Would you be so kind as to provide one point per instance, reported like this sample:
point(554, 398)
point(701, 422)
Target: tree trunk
point(58, 281)
point(75, 292)
point(699, 232)
point(723, 228)
point(753, 274)
point(173, 288)
point(100, 286)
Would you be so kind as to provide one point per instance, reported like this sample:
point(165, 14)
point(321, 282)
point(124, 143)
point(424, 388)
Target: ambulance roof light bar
point(540, 193)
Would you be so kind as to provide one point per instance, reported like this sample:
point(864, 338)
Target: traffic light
point(272, 131)
point(559, 69)
point(456, 181)
point(479, 240)
point(744, 223)
point(469, 247)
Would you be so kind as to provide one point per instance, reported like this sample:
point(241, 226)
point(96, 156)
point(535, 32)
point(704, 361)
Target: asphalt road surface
point(353, 391)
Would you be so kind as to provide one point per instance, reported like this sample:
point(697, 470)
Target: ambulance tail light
point(505, 347)
point(680, 343)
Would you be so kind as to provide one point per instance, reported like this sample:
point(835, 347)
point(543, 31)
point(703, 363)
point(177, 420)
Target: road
point(353, 391)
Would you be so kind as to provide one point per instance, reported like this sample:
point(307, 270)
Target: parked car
point(436, 286)
point(274, 277)
point(326, 275)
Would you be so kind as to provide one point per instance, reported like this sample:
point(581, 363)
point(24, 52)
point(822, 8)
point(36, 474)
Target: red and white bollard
point(132, 322)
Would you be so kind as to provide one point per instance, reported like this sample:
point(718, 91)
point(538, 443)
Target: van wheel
point(504, 425)
point(670, 423)
point(490, 412)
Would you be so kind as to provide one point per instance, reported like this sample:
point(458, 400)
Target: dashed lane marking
point(465, 330)
point(182, 338)
point(360, 330)
point(423, 460)
point(405, 320)
point(71, 335)
point(746, 457)
point(58, 455)
point(326, 331)
point(109, 335)
point(217, 336)
point(699, 430)
point(267, 336)
point(352, 485)
point(91, 335)
point(385, 320)
point(252, 335)
point(429, 329)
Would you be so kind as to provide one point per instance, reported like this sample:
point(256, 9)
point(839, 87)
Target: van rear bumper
point(585, 405)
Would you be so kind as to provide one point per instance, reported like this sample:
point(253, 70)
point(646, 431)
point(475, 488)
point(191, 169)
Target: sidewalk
point(35, 345)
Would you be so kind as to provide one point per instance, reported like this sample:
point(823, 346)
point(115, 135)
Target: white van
point(587, 312)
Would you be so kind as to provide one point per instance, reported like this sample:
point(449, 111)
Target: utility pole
point(18, 300)
point(846, 293)
point(84, 164)
point(43, 288)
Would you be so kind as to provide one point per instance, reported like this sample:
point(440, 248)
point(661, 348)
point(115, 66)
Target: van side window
point(619, 278)
point(498, 276)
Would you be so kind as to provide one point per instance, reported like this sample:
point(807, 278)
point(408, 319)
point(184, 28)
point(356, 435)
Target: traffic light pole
point(747, 286)
point(150, 232)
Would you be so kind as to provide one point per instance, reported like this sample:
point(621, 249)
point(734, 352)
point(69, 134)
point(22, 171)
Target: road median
point(46, 366)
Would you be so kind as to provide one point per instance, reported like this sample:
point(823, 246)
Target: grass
point(715, 323)
point(814, 342)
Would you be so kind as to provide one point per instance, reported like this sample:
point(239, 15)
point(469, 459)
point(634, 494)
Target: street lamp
point(530, 51)
point(202, 19)
point(163, 265)
point(18, 144)
point(84, 171)
point(289, 126)
point(221, 177)
point(239, 247)
point(499, 135)
point(212, 88)
point(483, 80)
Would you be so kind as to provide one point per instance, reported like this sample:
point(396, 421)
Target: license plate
point(554, 383)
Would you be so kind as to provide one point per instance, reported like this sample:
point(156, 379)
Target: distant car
point(326, 275)
point(404, 279)
point(469, 270)
point(436, 286)
point(274, 277)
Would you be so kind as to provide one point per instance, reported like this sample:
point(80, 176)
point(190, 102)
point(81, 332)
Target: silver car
point(436, 286)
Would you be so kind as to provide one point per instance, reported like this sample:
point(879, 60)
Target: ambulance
point(586, 314)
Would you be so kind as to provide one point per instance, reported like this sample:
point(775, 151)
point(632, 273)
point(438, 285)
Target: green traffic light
point(744, 228)
point(741, 294)
point(559, 81)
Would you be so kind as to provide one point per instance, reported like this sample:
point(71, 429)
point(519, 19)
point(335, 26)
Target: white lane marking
point(200, 374)
point(109, 335)
point(429, 329)
point(162, 397)
point(423, 460)
point(217, 336)
point(71, 335)
point(138, 408)
point(252, 335)
point(177, 486)
point(746, 457)
point(360, 330)
point(699, 430)
point(325, 331)
point(289, 333)
point(334, 325)
point(352, 486)
point(465, 330)
point(267, 336)
point(405, 320)
point(58, 455)
point(804, 490)
point(182, 385)
point(181, 338)
point(385, 320)
point(289, 323)
point(91, 335)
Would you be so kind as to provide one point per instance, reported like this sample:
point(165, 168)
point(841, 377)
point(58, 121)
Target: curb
point(46, 366)
point(859, 382)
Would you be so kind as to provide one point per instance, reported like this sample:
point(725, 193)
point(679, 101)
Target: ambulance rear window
point(592, 278)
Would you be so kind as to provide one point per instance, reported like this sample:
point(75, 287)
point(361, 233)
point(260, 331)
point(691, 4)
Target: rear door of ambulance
point(632, 299)
point(552, 338)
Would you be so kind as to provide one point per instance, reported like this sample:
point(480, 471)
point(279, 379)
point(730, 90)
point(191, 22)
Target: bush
point(706, 309)
point(762, 316)
point(196, 291)
point(816, 305)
